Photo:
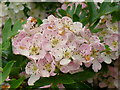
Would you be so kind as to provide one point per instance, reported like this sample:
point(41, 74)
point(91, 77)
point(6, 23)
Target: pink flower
point(96, 65)
point(17, 39)
point(52, 39)
point(60, 85)
point(32, 47)
point(40, 68)
point(32, 69)
point(71, 68)
point(85, 49)
point(98, 46)
point(76, 27)
point(112, 41)
point(47, 65)
point(102, 85)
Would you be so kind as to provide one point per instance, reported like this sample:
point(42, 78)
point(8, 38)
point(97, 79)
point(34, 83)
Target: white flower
point(96, 65)
point(3, 10)
point(76, 27)
point(32, 69)
point(106, 57)
point(112, 26)
point(16, 6)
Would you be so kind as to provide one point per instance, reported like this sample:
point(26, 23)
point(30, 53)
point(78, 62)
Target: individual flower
point(52, 39)
point(32, 47)
point(112, 26)
point(47, 64)
point(16, 6)
point(112, 41)
point(34, 72)
point(41, 68)
point(76, 27)
point(16, 41)
point(71, 68)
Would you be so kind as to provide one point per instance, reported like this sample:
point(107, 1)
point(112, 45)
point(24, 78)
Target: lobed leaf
point(6, 71)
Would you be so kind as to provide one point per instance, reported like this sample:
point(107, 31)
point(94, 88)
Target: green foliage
point(9, 31)
point(92, 11)
point(5, 34)
point(6, 71)
point(89, 15)
point(39, 21)
point(6, 30)
point(16, 83)
point(96, 30)
point(62, 12)
point(82, 76)
point(78, 85)
point(65, 78)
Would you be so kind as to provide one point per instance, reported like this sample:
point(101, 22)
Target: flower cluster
point(64, 45)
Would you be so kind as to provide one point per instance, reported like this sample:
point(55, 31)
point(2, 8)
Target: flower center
point(103, 32)
point(67, 54)
point(114, 28)
point(47, 67)
point(108, 52)
point(55, 42)
point(87, 57)
point(34, 68)
point(34, 50)
point(114, 43)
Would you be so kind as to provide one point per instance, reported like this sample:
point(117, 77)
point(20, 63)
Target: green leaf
point(8, 33)
point(75, 18)
point(78, 85)
point(39, 22)
point(96, 30)
point(78, 9)
point(62, 12)
point(64, 79)
point(6, 30)
point(81, 76)
point(83, 85)
point(106, 8)
point(83, 15)
point(15, 71)
point(1, 69)
point(92, 10)
point(73, 10)
point(5, 45)
point(68, 10)
point(17, 26)
point(17, 83)
point(6, 70)
point(115, 16)
point(107, 48)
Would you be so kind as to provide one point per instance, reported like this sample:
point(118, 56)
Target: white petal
point(21, 7)
point(96, 66)
point(16, 10)
point(33, 79)
point(106, 58)
point(65, 61)
point(58, 54)
point(24, 52)
point(45, 73)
